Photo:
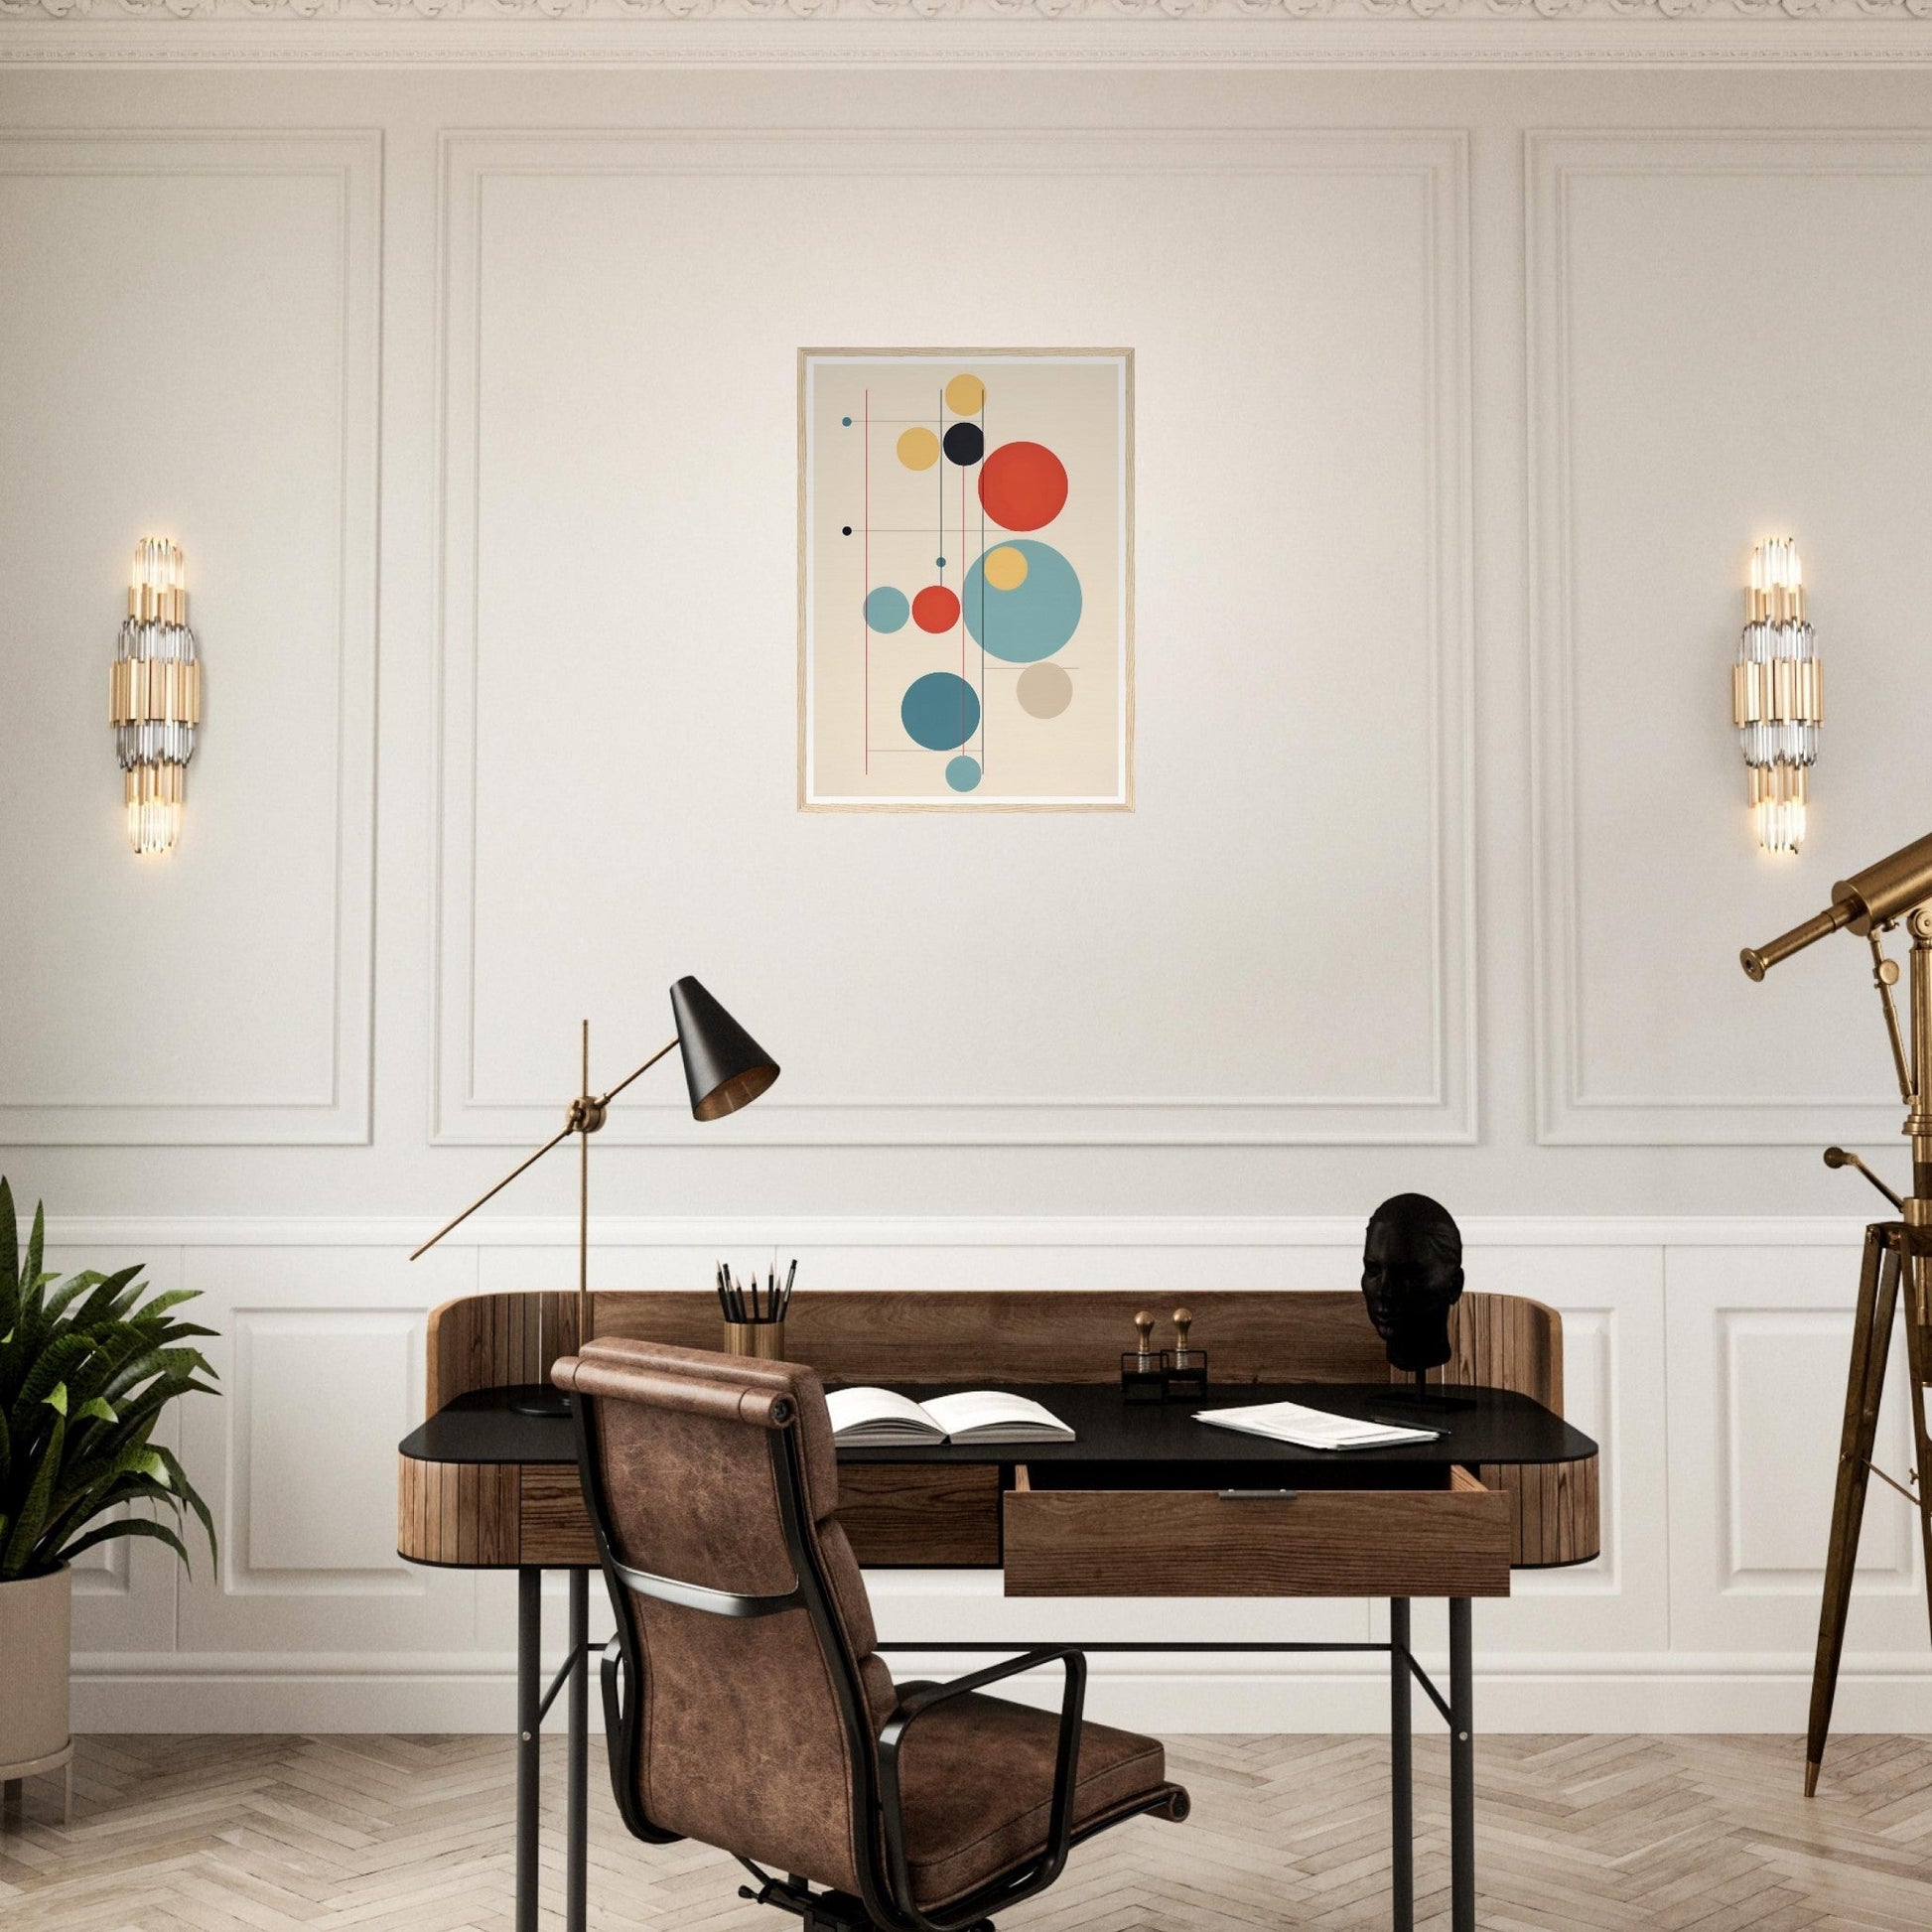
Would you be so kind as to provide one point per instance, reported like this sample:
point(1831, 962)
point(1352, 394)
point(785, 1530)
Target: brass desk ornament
point(1183, 1368)
point(1870, 904)
point(1140, 1366)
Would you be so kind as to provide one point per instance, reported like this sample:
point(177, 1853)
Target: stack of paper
point(1289, 1422)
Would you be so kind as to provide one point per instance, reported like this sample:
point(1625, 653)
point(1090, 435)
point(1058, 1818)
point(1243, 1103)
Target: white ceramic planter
point(35, 1643)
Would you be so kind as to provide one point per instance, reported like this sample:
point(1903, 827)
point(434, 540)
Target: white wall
point(1461, 397)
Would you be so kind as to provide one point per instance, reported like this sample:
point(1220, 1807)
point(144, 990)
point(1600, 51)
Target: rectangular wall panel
point(1760, 1341)
point(1680, 412)
point(189, 349)
point(620, 585)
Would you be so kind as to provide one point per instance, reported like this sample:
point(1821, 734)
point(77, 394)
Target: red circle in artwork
point(935, 609)
point(1023, 485)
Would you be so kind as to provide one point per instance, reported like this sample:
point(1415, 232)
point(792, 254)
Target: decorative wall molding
point(1567, 1114)
point(1008, 34)
point(1438, 162)
point(1633, 1640)
point(936, 11)
point(351, 159)
point(819, 1234)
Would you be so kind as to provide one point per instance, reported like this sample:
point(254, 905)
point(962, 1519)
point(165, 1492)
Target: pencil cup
point(765, 1339)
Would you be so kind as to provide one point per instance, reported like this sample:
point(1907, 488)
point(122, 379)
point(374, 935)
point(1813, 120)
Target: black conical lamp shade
point(723, 1066)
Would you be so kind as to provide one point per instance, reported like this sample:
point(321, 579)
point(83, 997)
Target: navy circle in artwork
point(940, 711)
point(845, 530)
point(965, 444)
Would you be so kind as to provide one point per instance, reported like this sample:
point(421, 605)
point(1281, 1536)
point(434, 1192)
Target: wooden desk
point(1133, 1507)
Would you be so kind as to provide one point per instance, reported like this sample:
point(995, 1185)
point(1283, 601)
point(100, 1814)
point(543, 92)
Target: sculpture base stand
point(1423, 1398)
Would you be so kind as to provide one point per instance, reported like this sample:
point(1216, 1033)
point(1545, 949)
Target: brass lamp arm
point(645, 1068)
point(585, 1114)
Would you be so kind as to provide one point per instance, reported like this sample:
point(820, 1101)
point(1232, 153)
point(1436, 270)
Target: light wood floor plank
point(1577, 1835)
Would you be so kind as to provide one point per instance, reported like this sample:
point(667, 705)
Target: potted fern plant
point(87, 1369)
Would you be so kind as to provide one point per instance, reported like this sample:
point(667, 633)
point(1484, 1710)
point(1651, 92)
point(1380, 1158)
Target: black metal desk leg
point(1401, 1788)
point(577, 1866)
point(1462, 1771)
point(529, 1728)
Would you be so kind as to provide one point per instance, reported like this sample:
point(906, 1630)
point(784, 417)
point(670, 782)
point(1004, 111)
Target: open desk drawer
point(1068, 1534)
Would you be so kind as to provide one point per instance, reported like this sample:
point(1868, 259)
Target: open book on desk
point(1289, 1422)
point(882, 1419)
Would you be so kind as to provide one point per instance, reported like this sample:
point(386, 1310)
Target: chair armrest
point(1066, 1764)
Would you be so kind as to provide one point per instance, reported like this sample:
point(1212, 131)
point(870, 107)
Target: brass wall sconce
point(156, 703)
point(1777, 695)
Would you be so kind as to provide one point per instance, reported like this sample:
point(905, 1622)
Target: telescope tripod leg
point(1917, 1351)
point(1870, 1346)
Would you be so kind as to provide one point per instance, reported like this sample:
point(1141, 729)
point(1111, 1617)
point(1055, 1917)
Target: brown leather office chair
point(744, 1703)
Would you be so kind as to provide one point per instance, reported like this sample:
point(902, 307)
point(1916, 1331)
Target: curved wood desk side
point(489, 1515)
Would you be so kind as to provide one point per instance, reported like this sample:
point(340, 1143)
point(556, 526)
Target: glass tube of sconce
point(1777, 694)
point(156, 695)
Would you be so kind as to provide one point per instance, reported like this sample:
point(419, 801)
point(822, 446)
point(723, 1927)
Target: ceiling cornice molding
point(948, 33)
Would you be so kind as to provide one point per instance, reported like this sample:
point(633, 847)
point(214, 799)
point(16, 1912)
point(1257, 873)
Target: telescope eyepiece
point(1753, 962)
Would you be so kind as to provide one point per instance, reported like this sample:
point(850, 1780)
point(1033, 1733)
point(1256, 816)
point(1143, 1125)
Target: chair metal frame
point(886, 1902)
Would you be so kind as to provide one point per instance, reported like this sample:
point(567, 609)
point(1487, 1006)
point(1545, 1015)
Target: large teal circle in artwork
point(1032, 618)
point(939, 711)
point(886, 608)
point(964, 774)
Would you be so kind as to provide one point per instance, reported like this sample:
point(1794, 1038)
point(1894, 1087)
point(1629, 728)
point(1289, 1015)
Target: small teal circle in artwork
point(964, 774)
point(940, 561)
point(886, 608)
point(940, 711)
point(847, 421)
point(1035, 616)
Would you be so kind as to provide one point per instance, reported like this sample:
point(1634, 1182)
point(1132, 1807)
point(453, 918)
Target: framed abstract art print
point(966, 578)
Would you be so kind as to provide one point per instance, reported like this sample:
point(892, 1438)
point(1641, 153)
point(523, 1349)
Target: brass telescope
point(1875, 896)
point(1898, 1254)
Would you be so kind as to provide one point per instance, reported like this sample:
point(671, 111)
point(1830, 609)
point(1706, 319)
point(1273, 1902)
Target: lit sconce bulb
point(156, 695)
point(1777, 695)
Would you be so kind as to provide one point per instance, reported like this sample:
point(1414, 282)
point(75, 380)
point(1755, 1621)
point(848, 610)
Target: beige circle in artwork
point(1006, 568)
point(1043, 690)
point(965, 395)
point(919, 449)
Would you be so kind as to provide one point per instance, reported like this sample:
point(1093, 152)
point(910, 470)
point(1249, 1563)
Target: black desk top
point(1477, 1425)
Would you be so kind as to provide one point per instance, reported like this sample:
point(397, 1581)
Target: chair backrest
point(712, 1482)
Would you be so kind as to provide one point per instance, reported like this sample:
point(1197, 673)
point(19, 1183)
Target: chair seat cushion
point(976, 1787)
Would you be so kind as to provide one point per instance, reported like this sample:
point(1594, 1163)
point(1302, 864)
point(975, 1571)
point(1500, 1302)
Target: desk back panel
point(1501, 1341)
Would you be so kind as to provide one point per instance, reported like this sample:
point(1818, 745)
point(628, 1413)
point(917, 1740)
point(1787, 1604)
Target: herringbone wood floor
point(1658, 1834)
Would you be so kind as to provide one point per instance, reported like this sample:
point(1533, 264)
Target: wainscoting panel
point(124, 1590)
point(260, 460)
point(1709, 1367)
point(577, 487)
point(1665, 392)
point(320, 1365)
point(1761, 1342)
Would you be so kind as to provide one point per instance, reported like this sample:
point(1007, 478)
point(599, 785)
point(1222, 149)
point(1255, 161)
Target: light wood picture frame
point(966, 578)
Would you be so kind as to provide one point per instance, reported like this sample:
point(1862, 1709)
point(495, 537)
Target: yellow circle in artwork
point(1006, 568)
point(919, 449)
point(965, 395)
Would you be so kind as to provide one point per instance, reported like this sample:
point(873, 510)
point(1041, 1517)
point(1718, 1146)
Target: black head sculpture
point(1412, 1275)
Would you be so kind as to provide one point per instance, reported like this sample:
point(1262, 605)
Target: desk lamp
point(724, 1069)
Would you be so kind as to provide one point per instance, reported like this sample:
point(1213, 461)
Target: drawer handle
point(1259, 1495)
